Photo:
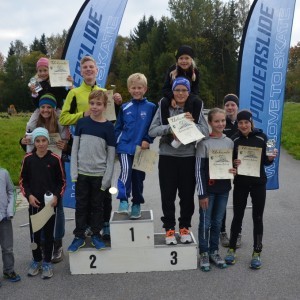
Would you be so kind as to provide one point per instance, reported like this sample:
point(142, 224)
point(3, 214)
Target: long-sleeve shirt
point(93, 150)
point(42, 174)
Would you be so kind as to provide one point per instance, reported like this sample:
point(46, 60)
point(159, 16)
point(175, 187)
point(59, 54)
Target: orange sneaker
point(170, 237)
point(185, 236)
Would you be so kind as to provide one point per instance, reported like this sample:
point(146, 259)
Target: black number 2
point(93, 259)
point(174, 258)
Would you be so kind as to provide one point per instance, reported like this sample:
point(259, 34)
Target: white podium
point(134, 247)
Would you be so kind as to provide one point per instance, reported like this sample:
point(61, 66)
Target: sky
point(27, 19)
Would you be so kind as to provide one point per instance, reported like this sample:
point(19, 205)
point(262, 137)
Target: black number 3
point(174, 258)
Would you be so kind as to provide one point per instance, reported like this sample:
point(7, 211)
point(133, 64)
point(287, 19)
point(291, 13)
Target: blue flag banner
point(94, 33)
point(263, 63)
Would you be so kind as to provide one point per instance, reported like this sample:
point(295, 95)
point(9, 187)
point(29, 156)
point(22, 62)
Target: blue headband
point(181, 81)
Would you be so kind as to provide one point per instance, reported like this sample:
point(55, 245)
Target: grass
point(290, 136)
point(13, 128)
point(11, 153)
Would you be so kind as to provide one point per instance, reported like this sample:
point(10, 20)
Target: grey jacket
point(7, 196)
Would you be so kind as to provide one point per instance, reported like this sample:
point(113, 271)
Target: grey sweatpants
point(6, 243)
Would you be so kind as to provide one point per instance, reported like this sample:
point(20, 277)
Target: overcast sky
point(27, 19)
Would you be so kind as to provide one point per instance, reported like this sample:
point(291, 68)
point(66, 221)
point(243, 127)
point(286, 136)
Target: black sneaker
point(12, 277)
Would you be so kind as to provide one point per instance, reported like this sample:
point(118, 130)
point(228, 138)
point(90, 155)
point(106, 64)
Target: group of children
point(96, 141)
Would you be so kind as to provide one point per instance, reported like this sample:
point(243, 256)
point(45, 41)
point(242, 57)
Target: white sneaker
point(217, 259)
point(185, 236)
point(170, 237)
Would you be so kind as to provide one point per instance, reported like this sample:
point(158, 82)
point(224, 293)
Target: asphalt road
point(278, 278)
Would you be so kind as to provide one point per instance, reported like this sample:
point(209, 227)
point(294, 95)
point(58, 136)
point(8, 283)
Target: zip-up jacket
point(205, 185)
point(255, 138)
point(42, 174)
point(132, 125)
point(77, 102)
point(231, 128)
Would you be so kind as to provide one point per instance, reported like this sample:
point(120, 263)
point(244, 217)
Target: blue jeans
point(211, 222)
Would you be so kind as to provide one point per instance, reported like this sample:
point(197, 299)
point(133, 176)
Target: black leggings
point(258, 196)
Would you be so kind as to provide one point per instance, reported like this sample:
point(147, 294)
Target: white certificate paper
point(250, 161)
point(144, 160)
point(184, 129)
point(220, 161)
point(54, 138)
point(39, 220)
point(59, 70)
point(110, 113)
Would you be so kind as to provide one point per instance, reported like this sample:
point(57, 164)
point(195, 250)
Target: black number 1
point(93, 259)
point(174, 258)
point(132, 233)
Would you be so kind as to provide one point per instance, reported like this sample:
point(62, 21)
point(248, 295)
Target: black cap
point(244, 115)
point(231, 97)
point(184, 49)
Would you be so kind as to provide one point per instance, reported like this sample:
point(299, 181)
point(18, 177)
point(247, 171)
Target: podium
point(134, 247)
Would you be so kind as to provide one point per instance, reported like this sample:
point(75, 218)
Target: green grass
point(290, 136)
point(13, 128)
point(11, 154)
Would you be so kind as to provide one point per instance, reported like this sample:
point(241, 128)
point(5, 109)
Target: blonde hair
point(174, 73)
point(137, 77)
point(213, 112)
point(52, 126)
point(98, 95)
point(87, 58)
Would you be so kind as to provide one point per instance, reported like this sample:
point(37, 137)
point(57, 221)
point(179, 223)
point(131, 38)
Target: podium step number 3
point(134, 248)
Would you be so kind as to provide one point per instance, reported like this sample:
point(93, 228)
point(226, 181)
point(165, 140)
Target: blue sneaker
point(47, 270)
point(135, 211)
point(12, 277)
point(255, 261)
point(34, 268)
point(76, 244)
point(97, 242)
point(230, 257)
point(123, 207)
point(106, 232)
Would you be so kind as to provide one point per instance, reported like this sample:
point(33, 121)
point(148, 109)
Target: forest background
point(211, 27)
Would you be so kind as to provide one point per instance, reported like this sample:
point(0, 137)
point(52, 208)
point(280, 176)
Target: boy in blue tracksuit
point(131, 130)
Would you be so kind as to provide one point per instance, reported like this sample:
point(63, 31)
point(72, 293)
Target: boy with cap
point(231, 106)
point(7, 212)
point(176, 165)
point(42, 172)
point(244, 185)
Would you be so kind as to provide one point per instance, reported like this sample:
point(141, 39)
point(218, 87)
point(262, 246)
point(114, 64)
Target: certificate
point(185, 129)
point(41, 218)
point(110, 113)
point(59, 70)
point(144, 160)
point(54, 138)
point(250, 161)
point(220, 161)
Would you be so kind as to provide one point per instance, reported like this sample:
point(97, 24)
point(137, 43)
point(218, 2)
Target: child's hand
point(25, 141)
point(189, 116)
point(236, 163)
point(34, 201)
point(173, 103)
point(145, 145)
point(232, 171)
point(70, 78)
point(54, 201)
point(62, 145)
point(87, 113)
point(273, 156)
point(32, 89)
point(117, 98)
point(203, 203)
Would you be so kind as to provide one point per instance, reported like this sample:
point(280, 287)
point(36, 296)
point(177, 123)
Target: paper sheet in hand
point(220, 161)
point(144, 160)
point(185, 129)
point(54, 138)
point(110, 113)
point(59, 70)
point(250, 161)
point(41, 218)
